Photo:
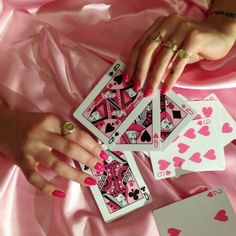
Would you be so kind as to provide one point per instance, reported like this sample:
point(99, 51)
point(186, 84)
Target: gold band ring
point(183, 54)
point(171, 45)
point(158, 39)
point(68, 128)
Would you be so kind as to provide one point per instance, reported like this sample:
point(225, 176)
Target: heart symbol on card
point(145, 137)
point(155, 136)
point(109, 128)
point(210, 154)
point(199, 122)
point(204, 130)
point(183, 147)
point(163, 164)
point(226, 128)
point(210, 194)
point(196, 157)
point(190, 133)
point(174, 232)
point(221, 216)
point(207, 111)
point(178, 161)
point(197, 117)
point(168, 172)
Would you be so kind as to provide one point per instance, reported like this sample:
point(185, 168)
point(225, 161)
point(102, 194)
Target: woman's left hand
point(170, 44)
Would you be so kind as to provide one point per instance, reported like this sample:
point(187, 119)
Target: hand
point(150, 61)
point(28, 138)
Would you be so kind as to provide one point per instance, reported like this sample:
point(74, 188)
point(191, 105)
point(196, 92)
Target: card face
point(144, 132)
point(175, 115)
point(197, 148)
point(120, 188)
point(105, 111)
point(228, 125)
point(208, 214)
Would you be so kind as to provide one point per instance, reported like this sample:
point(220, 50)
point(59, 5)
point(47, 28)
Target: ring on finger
point(158, 39)
point(183, 54)
point(171, 45)
point(68, 128)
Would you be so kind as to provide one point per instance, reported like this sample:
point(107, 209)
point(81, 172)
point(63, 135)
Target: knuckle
point(70, 149)
point(82, 136)
point(57, 166)
point(31, 176)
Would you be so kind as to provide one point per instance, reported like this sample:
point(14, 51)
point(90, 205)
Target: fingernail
point(58, 193)
point(164, 89)
point(103, 155)
point(147, 92)
point(99, 166)
point(90, 181)
point(125, 77)
point(136, 85)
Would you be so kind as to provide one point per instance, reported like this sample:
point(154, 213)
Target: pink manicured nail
point(125, 77)
point(99, 166)
point(147, 92)
point(103, 155)
point(58, 193)
point(90, 181)
point(136, 85)
point(164, 89)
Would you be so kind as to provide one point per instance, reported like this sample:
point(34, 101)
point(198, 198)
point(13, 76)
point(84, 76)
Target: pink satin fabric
point(52, 53)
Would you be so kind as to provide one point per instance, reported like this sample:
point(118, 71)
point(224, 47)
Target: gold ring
point(68, 128)
point(183, 54)
point(158, 39)
point(171, 45)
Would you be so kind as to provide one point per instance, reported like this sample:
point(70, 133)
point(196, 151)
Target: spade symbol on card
point(145, 137)
point(85, 168)
point(111, 73)
point(116, 133)
point(109, 128)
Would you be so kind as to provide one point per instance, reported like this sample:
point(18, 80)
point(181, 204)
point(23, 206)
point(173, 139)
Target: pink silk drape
point(52, 53)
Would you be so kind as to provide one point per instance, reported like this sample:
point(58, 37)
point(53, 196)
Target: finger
point(146, 52)
point(166, 55)
point(83, 139)
point(39, 182)
point(63, 169)
point(131, 65)
point(72, 150)
point(191, 46)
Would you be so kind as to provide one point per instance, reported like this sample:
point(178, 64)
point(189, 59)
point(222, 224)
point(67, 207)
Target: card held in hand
point(120, 188)
point(111, 106)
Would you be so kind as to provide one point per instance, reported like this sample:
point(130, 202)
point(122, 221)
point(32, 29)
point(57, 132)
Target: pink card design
point(209, 213)
point(105, 111)
point(175, 115)
point(144, 132)
point(120, 188)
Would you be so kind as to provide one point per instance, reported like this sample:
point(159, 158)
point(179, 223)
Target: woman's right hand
point(28, 138)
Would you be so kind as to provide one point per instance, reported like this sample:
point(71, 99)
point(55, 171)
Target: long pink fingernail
point(147, 92)
point(164, 89)
point(90, 181)
point(125, 77)
point(58, 193)
point(103, 155)
point(99, 166)
point(136, 85)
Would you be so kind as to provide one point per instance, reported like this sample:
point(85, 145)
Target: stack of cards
point(207, 214)
point(178, 135)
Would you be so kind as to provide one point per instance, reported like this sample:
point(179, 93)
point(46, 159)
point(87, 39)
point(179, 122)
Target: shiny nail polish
point(58, 193)
point(99, 166)
point(136, 85)
point(90, 181)
point(147, 92)
point(164, 89)
point(103, 155)
point(125, 77)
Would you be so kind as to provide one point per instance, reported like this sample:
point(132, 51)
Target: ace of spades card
point(111, 106)
point(120, 187)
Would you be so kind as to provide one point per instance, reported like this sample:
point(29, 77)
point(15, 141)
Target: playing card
point(206, 214)
point(106, 109)
point(197, 148)
point(228, 125)
point(144, 132)
point(120, 188)
point(175, 115)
